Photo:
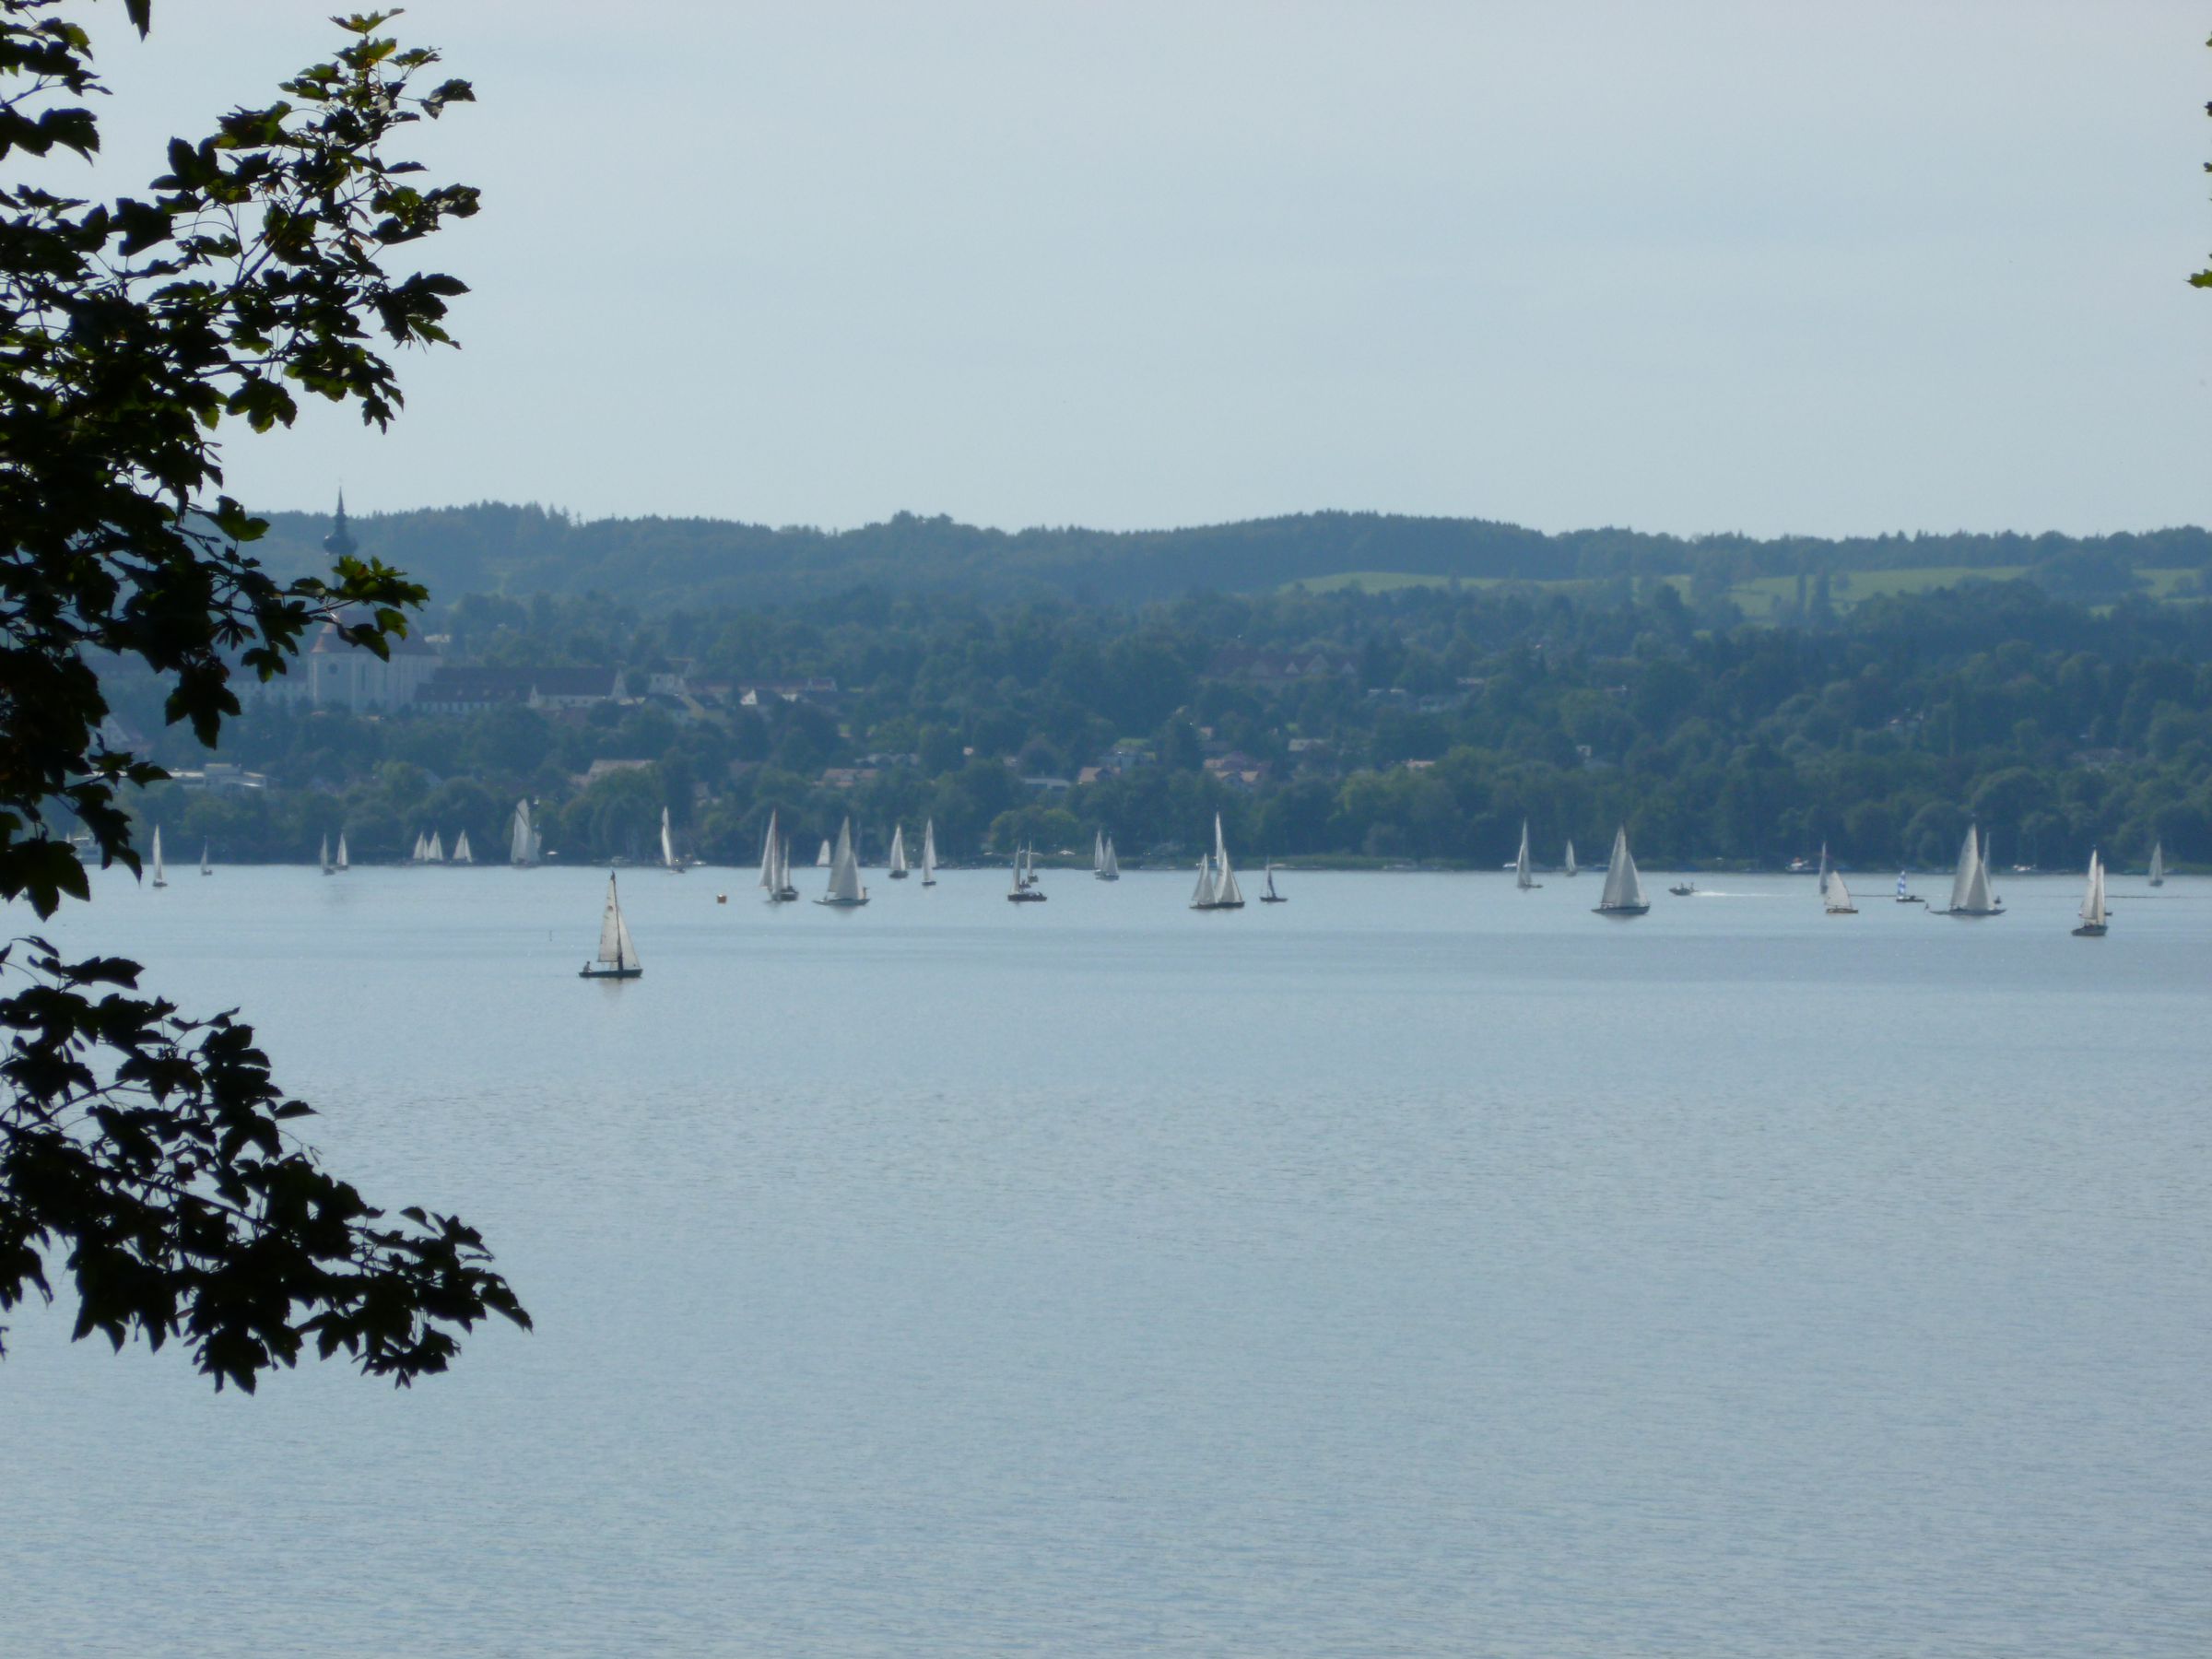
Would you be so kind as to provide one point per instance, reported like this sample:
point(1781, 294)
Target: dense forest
point(661, 564)
point(1419, 724)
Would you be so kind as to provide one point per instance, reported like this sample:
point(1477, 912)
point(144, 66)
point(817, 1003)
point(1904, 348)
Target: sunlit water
point(1418, 1267)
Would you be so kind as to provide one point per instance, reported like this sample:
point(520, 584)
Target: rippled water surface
point(1419, 1268)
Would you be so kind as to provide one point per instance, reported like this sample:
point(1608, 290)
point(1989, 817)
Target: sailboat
point(618, 957)
point(1218, 886)
point(1570, 867)
point(1624, 890)
point(160, 874)
point(1111, 869)
point(422, 848)
point(522, 841)
point(1837, 897)
point(2093, 919)
point(1024, 891)
point(2157, 863)
point(327, 870)
point(899, 854)
point(1104, 866)
point(1905, 895)
point(668, 858)
point(1823, 869)
point(435, 853)
point(844, 891)
point(206, 868)
point(1522, 878)
point(343, 864)
point(821, 859)
point(1971, 896)
point(1271, 895)
point(772, 855)
point(929, 853)
point(461, 852)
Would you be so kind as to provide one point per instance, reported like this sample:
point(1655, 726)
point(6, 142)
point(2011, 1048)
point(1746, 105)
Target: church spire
point(339, 543)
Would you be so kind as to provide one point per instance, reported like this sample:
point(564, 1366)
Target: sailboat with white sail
point(899, 854)
point(2157, 863)
point(206, 868)
point(160, 874)
point(435, 851)
point(1824, 872)
point(1218, 888)
point(1623, 896)
point(821, 859)
point(775, 865)
point(1837, 897)
point(422, 848)
point(1970, 895)
point(1270, 896)
point(522, 839)
point(1523, 877)
point(1024, 891)
point(327, 868)
point(344, 863)
point(844, 891)
point(1104, 865)
point(670, 861)
point(618, 958)
point(461, 852)
point(1570, 867)
point(2093, 919)
point(929, 853)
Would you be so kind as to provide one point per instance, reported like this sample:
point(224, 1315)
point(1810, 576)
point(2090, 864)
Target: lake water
point(1419, 1268)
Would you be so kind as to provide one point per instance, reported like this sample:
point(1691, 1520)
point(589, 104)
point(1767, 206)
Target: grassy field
point(1759, 596)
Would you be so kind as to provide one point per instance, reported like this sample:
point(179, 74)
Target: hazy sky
point(1684, 266)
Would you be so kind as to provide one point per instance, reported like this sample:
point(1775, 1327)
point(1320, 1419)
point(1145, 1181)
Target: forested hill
point(658, 563)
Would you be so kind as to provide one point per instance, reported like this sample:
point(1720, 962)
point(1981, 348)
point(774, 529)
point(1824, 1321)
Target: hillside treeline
point(1440, 720)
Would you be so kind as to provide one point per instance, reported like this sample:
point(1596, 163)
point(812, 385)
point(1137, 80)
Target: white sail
point(1226, 894)
point(768, 855)
point(522, 843)
point(1271, 893)
point(1522, 878)
point(1971, 894)
point(845, 872)
point(326, 855)
point(1098, 852)
point(422, 848)
point(1838, 896)
point(615, 947)
point(435, 851)
point(206, 868)
point(784, 887)
point(898, 851)
point(821, 859)
point(929, 853)
point(1823, 869)
point(1021, 881)
point(343, 862)
point(667, 843)
point(160, 874)
point(2157, 863)
point(1572, 868)
point(1624, 889)
point(1202, 895)
point(461, 852)
point(1111, 871)
point(2092, 897)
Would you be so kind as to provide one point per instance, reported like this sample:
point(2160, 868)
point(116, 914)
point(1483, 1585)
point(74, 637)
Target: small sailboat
point(1624, 890)
point(2093, 919)
point(1270, 896)
point(670, 861)
point(774, 854)
point(1522, 878)
point(422, 848)
point(522, 841)
point(206, 868)
point(343, 864)
point(328, 869)
point(899, 854)
point(1112, 868)
point(1823, 869)
point(2157, 863)
point(821, 859)
point(160, 874)
point(1025, 863)
point(618, 958)
point(1905, 895)
point(1024, 891)
point(1218, 886)
point(929, 853)
point(1570, 867)
point(1837, 897)
point(461, 852)
point(1970, 895)
point(844, 891)
point(435, 851)
point(1104, 866)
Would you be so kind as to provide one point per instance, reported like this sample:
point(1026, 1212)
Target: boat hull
point(843, 903)
point(611, 973)
point(2090, 930)
point(1845, 910)
point(1025, 898)
point(1622, 913)
point(898, 875)
point(1968, 915)
point(1273, 899)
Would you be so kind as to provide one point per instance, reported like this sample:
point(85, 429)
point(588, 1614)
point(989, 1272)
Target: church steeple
point(339, 543)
